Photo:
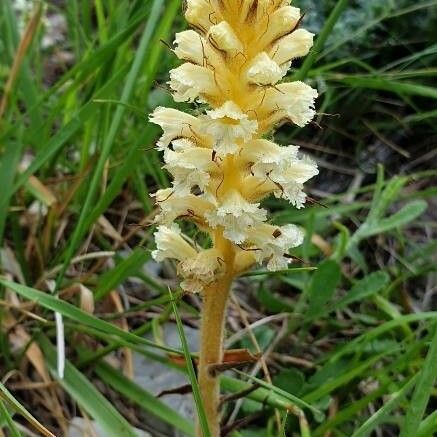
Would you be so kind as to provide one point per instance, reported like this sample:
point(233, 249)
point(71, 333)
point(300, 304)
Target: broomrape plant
point(222, 162)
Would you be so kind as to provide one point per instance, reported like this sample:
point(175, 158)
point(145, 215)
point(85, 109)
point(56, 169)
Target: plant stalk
point(215, 300)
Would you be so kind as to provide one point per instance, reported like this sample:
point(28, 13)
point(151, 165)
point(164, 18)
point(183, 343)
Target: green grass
point(353, 326)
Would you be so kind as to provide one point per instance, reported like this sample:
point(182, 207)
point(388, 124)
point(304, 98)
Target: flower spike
point(234, 60)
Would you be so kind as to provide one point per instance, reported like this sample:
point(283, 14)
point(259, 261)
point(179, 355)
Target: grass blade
point(366, 428)
point(321, 40)
point(6, 417)
point(422, 391)
point(191, 373)
point(279, 272)
point(70, 311)
point(284, 394)
point(127, 267)
point(8, 165)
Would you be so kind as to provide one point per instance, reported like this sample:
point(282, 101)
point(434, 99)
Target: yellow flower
point(202, 270)
point(228, 127)
point(272, 243)
point(234, 58)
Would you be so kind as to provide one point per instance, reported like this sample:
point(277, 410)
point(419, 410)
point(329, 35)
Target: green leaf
point(405, 215)
point(283, 395)
point(279, 272)
point(342, 242)
point(342, 379)
point(8, 166)
point(322, 287)
point(359, 342)
point(381, 415)
point(272, 302)
point(5, 417)
point(290, 380)
point(398, 87)
point(428, 426)
point(125, 268)
point(141, 397)
point(364, 288)
point(86, 395)
point(321, 39)
point(422, 391)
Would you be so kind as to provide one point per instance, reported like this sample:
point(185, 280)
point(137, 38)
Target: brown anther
point(248, 250)
point(277, 233)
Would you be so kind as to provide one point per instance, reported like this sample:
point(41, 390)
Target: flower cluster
point(234, 60)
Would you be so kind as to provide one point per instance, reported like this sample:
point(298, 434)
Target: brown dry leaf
point(86, 299)
point(108, 229)
point(34, 354)
point(26, 39)
point(86, 296)
point(44, 193)
point(20, 339)
point(128, 367)
point(322, 244)
point(10, 264)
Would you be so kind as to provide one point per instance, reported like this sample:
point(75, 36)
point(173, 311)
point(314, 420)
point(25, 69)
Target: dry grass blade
point(25, 42)
point(13, 403)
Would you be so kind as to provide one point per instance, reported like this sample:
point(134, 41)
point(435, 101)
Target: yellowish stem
point(215, 300)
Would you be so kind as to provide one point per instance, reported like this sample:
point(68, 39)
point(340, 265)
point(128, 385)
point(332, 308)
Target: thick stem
point(211, 350)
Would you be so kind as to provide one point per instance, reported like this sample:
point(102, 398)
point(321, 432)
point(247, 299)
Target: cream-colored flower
point(292, 46)
point(281, 23)
point(229, 127)
point(200, 14)
point(293, 101)
point(223, 37)
point(272, 243)
point(170, 244)
point(190, 168)
point(236, 215)
point(191, 82)
point(192, 47)
point(174, 206)
point(263, 70)
point(256, 154)
point(200, 271)
point(290, 181)
point(276, 169)
point(175, 124)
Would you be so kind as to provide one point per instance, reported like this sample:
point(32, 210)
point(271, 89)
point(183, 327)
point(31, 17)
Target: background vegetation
point(349, 349)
